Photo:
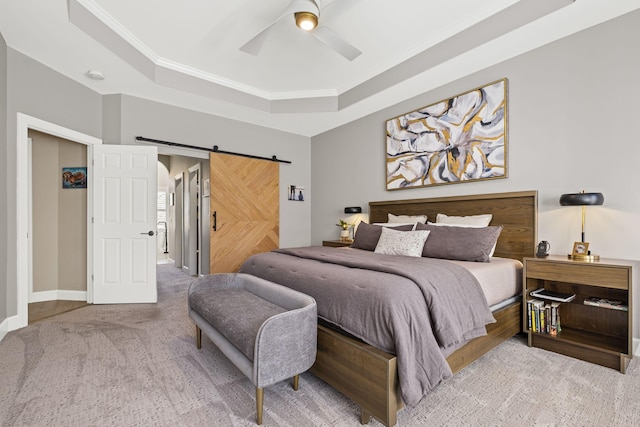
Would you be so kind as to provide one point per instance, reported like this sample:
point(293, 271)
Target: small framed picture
point(295, 193)
point(580, 248)
point(74, 177)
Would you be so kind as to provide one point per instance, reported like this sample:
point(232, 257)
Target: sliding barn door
point(245, 210)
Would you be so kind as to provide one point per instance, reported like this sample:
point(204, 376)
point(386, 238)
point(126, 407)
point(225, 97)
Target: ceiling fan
point(306, 14)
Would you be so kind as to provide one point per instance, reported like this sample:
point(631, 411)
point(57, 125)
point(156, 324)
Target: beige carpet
point(137, 365)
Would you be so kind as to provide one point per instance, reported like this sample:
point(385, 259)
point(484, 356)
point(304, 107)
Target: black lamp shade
point(353, 210)
point(581, 199)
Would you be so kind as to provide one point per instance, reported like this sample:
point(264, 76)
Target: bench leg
point(296, 379)
point(259, 401)
point(198, 337)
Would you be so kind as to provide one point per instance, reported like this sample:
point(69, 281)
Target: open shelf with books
point(577, 328)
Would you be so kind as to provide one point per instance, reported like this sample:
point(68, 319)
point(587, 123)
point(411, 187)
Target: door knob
point(150, 233)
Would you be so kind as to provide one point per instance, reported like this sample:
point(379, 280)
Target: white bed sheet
point(500, 279)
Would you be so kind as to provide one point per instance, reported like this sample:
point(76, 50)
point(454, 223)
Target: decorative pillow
point(408, 243)
point(412, 219)
point(460, 243)
point(462, 224)
point(367, 235)
point(470, 220)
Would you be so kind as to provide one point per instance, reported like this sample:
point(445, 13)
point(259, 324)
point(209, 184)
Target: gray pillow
point(367, 235)
point(460, 243)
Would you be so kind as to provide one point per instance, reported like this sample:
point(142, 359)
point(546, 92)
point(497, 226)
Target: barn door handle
point(215, 220)
point(150, 233)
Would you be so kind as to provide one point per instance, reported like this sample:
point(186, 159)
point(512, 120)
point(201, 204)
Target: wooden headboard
point(517, 212)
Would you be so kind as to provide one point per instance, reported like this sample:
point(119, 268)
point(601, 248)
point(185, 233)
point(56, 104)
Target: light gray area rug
point(137, 365)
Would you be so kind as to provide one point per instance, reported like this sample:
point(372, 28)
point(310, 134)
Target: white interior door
point(124, 224)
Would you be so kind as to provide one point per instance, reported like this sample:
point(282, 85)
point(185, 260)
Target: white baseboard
point(9, 324)
point(636, 347)
point(58, 295)
point(4, 328)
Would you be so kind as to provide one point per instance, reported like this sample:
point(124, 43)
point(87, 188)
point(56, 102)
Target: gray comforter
point(420, 309)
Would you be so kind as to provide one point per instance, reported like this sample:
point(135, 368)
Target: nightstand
point(336, 243)
point(596, 334)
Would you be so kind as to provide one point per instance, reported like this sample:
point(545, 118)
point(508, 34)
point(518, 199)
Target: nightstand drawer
point(573, 272)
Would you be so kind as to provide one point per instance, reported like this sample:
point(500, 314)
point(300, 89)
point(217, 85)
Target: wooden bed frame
point(368, 376)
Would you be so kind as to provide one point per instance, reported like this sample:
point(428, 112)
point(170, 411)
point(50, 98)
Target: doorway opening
point(191, 223)
point(24, 259)
point(58, 225)
point(187, 212)
point(162, 206)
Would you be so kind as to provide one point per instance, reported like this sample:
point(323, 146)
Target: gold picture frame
point(456, 140)
point(580, 249)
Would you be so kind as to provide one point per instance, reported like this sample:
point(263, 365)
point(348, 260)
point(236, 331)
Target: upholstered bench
point(268, 331)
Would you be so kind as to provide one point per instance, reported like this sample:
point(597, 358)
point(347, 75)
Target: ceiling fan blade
point(335, 42)
point(254, 45)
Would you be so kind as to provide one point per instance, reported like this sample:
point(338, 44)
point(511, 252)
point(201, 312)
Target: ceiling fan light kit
point(306, 20)
point(307, 17)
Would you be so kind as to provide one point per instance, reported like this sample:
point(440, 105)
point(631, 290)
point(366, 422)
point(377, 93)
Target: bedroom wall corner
point(111, 119)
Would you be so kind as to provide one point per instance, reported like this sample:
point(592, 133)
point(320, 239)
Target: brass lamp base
point(586, 258)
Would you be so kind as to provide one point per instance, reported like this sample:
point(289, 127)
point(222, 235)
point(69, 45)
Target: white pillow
point(470, 220)
point(408, 243)
point(394, 224)
point(407, 218)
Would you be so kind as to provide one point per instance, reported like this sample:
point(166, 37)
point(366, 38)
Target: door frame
point(194, 219)
point(178, 211)
point(23, 256)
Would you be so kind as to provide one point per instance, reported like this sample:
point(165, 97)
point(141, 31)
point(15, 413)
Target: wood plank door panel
point(245, 209)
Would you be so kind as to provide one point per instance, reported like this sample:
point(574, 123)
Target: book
point(543, 317)
point(606, 303)
point(554, 327)
point(552, 295)
point(533, 310)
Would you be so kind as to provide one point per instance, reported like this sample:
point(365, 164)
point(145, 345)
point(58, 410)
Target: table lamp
point(355, 212)
point(582, 199)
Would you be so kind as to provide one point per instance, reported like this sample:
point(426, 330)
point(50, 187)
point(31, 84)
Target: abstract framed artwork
point(460, 139)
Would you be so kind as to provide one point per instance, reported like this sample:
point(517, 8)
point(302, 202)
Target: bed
point(370, 374)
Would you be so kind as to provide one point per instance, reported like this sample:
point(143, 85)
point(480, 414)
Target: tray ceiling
point(186, 53)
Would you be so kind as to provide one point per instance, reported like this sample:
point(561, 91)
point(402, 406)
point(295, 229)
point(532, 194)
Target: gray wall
point(4, 207)
point(140, 117)
point(573, 114)
point(573, 109)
